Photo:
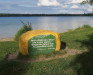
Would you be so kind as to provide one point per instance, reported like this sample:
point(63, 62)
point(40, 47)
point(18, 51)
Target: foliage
point(90, 2)
point(26, 27)
point(27, 15)
point(83, 2)
point(86, 26)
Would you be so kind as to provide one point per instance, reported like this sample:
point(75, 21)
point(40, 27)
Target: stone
point(39, 42)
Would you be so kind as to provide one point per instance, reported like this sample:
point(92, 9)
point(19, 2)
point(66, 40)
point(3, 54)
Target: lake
point(10, 25)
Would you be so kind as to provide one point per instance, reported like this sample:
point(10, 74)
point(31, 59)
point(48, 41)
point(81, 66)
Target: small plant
point(78, 28)
point(86, 26)
point(26, 27)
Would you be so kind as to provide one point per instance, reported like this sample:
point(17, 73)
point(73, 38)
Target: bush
point(86, 26)
point(26, 27)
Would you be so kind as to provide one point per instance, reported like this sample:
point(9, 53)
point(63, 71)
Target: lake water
point(10, 25)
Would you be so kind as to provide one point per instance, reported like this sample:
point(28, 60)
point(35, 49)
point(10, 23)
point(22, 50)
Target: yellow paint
point(23, 41)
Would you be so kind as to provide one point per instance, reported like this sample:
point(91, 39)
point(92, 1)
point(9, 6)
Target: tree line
point(16, 15)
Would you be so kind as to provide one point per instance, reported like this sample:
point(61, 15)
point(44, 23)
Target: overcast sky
point(44, 7)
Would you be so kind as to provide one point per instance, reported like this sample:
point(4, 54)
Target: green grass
point(26, 27)
point(7, 48)
point(34, 57)
point(53, 67)
point(82, 64)
point(86, 26)
point(73, 38)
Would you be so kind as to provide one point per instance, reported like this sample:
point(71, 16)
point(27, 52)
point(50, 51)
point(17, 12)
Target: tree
point(90, 2)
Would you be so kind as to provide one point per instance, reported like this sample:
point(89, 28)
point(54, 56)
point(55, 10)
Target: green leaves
point(90, 2)
point(26, 27)
point(84, 2)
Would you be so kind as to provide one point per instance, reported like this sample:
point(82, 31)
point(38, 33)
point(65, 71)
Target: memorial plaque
point(41, 44)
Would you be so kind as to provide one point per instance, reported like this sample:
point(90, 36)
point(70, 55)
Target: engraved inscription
point(42, 43)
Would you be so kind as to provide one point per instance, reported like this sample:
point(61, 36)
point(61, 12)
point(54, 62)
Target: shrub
point(26, 27)
point(86, 26)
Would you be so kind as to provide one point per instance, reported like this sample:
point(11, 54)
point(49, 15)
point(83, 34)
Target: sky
point(44, 7)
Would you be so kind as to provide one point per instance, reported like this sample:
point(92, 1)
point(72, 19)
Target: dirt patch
point(13, 56)
point(7, 39)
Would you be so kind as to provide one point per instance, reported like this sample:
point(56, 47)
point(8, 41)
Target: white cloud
point(64, 6)
point(76, 12)
point(48, 3)
point(74, 7)
point(75, 1)
point(89, 10)
point(63, 11)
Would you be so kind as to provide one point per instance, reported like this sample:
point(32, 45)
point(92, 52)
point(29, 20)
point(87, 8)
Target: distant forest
point(19, 15)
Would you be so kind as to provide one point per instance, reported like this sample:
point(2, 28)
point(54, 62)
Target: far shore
point(28, 15)
point(7, 39)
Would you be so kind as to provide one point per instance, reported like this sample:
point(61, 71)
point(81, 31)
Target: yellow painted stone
point(24, 38)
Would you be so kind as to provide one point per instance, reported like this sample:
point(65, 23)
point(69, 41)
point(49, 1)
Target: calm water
point(10, 25)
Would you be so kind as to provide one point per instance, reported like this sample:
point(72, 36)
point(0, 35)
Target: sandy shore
point(7, 39)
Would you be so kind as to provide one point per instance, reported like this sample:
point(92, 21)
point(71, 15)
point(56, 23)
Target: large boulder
point(39, 42)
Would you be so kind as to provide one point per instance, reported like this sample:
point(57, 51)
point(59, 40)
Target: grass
point(53, 54)
point(26, 27)
point(53, 67)
point(7, 48)
point(73, 37)
point(82, 64)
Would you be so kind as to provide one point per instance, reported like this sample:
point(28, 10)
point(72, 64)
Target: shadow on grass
point(63, 45)
point(85, 60)
point(12, 68)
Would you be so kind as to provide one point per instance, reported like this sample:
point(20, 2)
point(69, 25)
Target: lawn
point(74, 38)
point(82, 64)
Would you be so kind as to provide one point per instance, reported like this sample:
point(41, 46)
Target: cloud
point(63, 11)
point(89, 8)
point(76, 12)
point(44, 6)
point(27, 3)
point(48, 3)
point(64, 6)
point(74, 7)
point(75, 1)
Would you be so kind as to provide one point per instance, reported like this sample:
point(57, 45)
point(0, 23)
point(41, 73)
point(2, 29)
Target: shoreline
point(12, 38)
point(7, 39)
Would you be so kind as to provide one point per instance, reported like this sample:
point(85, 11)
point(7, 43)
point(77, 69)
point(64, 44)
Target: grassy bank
point(73, 38)
point(80, 39)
